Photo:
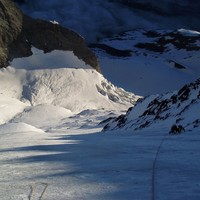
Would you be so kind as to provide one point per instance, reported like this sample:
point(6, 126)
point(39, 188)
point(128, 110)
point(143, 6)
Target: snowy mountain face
point(97, 19)
point(162, 111)
point(52, 66)
point(150, 61)
point(54, 102)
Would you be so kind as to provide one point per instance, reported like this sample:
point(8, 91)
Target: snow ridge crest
point(163, 111)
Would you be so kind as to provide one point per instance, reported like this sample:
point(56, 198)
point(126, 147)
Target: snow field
point(87, 164)
point(147, 72)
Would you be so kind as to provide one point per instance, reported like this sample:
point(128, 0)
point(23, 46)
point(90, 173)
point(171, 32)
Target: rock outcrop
point(11, 20)
point(19, 32)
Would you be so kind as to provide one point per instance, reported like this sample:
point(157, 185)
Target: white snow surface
point(9, 107)
point(189, 32)
point(51, 146)
point(85, 164)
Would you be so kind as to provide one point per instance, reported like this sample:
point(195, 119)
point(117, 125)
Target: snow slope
point(9, 108)
point(61, 79)
point(84, 164)
point(162, 111)
point(150, 61)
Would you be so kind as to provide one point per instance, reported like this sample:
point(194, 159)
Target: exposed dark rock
point(152, 34)
point(19, 32)
point(120, 121)
point(184, 93)
point(176, 129)
point(10, 27)
point(176, 65)
point(111, 50)
point(177, 39)
point(20, 1)
point(151, 47)
point(106, 121)
point(196, 123)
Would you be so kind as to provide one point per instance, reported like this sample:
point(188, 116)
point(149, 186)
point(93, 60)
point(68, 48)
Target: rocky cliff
point(19, 32)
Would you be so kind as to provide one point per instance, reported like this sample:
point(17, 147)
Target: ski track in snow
point(37, 191)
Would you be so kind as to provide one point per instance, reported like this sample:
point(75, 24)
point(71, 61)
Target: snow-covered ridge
point(162, 111)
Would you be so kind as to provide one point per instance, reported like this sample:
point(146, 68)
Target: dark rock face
point(10, 27)
point(112, 51)
point(19, 32)
point(20, 1)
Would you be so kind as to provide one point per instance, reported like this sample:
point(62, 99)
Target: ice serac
point(162, 111)
point(20, 32)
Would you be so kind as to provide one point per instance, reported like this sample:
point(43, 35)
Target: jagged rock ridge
point(19, 32)
point(163, 111)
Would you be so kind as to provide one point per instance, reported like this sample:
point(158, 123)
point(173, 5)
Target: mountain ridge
point(155, 111)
